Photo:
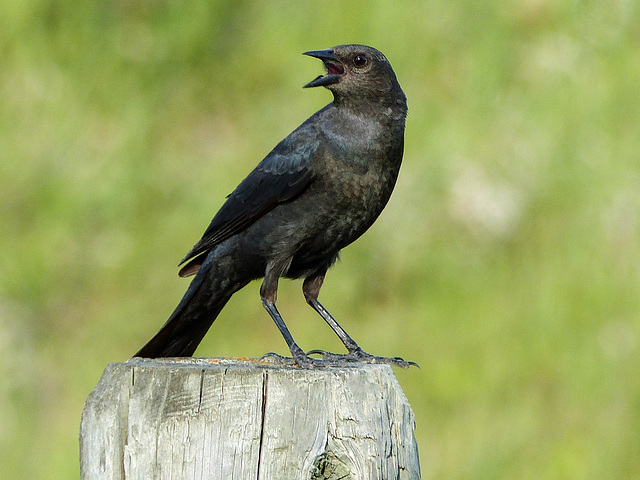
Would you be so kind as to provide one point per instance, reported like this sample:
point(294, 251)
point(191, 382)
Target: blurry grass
point(507, 263)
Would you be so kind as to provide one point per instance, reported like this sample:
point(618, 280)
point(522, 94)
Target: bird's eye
point(360, 61)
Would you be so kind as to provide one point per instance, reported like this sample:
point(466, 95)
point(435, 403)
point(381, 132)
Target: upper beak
point(322, 54)
point(335, 68)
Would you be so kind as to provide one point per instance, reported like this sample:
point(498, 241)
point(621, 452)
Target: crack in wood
point(265, 386)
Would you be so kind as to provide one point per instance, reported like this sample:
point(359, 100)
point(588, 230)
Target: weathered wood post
point(246, 419)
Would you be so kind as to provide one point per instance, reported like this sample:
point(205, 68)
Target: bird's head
point(356, 72)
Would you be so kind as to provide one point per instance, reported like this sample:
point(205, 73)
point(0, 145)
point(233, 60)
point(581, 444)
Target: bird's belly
point(310, 230)
point(342, 214)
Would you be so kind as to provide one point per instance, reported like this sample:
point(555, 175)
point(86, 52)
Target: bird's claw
point(360, 356)
point(301, 360)
point(336, 359)
point(277, 359)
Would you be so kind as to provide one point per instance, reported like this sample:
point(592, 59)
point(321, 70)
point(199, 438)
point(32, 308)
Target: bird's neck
point(392, 109)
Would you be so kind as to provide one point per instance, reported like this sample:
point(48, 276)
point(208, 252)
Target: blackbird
point(316, 192)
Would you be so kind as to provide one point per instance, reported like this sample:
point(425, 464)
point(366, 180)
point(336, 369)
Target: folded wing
point(281, 177)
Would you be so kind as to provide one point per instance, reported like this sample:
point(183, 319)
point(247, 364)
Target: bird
point(315, 193)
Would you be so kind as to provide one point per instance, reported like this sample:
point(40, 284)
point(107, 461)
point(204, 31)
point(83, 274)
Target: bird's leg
point(268, 294)
point(311, 289)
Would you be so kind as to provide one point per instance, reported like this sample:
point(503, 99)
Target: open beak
point(334, 67)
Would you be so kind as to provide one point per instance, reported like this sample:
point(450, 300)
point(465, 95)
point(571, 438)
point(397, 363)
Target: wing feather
point(283, 175)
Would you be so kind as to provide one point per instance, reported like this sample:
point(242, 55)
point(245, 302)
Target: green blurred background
point(507, 263)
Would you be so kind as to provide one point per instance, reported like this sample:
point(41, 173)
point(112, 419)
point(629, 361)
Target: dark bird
point(316, 192)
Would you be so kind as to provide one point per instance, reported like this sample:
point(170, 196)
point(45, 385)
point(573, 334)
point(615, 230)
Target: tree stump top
point(247, 418)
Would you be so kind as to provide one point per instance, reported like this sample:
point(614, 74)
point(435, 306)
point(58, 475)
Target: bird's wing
point(283, 175)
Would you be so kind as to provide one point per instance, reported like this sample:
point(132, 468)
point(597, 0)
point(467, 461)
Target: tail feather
point(182, 333)
point(192, 318)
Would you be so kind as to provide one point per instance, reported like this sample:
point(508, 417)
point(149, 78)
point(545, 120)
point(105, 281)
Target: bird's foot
point(277, 359)
point(360, 356)
point(301, 359)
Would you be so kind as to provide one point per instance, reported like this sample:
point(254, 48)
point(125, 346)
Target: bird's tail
point(207, 295)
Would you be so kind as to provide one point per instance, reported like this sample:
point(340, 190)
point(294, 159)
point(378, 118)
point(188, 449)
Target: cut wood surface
point(247, 419)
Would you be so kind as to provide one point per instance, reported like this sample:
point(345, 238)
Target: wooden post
point(247, 419)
